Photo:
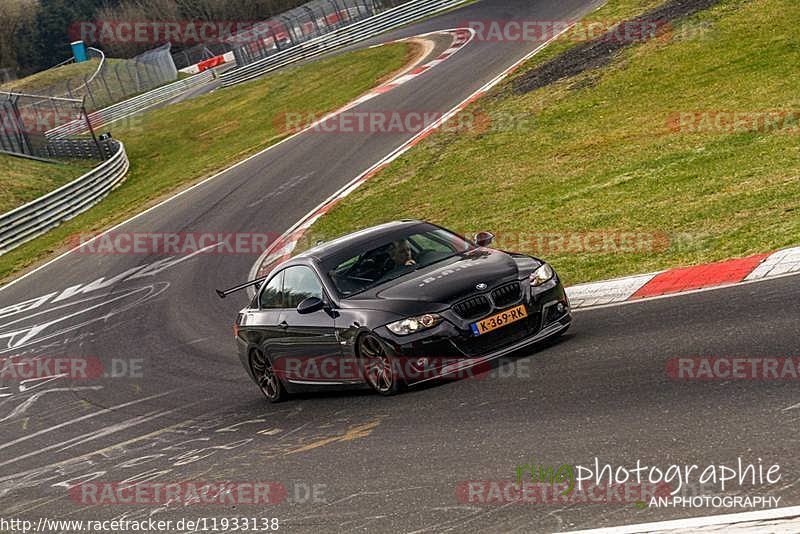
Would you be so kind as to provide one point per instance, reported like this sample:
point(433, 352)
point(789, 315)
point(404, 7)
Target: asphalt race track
point(356, 461)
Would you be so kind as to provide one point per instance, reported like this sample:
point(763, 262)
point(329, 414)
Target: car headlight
point(541, 275)
point(409, 325)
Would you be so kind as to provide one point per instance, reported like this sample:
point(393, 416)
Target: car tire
point(379, 369)
point(266, 379)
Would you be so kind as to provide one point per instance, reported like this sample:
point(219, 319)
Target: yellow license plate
point(499, 320)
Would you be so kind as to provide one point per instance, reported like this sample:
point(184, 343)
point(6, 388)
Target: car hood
point(442, 283)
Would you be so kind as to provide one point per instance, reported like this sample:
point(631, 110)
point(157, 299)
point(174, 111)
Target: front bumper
point(451, 347)
point(468, 363)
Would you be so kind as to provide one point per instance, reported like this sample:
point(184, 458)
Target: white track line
point(84, 418)
point(697, 522)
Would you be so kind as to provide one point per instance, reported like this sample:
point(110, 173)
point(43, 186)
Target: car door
point(310, 347)
point(262, 321)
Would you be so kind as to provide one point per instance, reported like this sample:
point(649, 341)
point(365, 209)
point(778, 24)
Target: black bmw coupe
point(392, 306)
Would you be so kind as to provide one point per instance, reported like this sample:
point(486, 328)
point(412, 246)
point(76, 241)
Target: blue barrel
point(79, 51)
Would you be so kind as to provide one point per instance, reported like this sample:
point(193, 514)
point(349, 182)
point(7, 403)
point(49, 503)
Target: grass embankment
point(172, 147)
point(119, 80)
point(23, 180)
point(603, 155)
point(41, 81)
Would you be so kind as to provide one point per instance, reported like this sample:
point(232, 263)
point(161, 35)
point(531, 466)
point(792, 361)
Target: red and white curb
point(461, 37)
point(683, 279)
point(458, 37)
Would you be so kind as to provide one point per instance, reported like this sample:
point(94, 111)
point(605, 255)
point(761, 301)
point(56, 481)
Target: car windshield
point(396, 256)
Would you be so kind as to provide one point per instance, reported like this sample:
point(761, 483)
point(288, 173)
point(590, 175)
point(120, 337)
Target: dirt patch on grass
point(418, 49)
point(599, 52)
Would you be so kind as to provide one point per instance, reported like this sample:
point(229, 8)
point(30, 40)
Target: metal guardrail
point(37, 217)
point(102, 64)
point(132, 106)
point(353, 33)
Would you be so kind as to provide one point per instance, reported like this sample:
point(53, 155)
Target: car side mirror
point(310, 305)
point(484, 239)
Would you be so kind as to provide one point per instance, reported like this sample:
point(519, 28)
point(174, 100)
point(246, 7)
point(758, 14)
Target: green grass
point(23, 180)
point(173, 147)
point(595, 153)
point(45, 79)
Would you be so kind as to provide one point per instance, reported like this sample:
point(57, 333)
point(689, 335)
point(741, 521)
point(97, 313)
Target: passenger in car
point(400, 259)
point(400, 252)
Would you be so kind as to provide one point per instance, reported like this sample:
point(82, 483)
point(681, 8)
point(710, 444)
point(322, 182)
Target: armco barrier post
point(91, 131)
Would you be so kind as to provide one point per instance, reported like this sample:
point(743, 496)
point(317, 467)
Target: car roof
point(358, 239)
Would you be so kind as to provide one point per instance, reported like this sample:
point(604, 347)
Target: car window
point(380, 264)
point(431, 243)
point(272, 295)
point(300, 283)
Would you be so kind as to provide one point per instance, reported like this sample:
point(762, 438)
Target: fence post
point(289, 30)
point(274, 36)
point(133, 76)
point(22, 137)
point(119, 80)
point(326, 27)
point(105, 84)
point(89, 92)
point(56, 118)
point(91, 131)
point(358, 5)
point(141, 67)
point(5, 143)
point(262, 50)
point(339, 14)
point(313, 18)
